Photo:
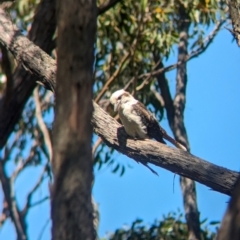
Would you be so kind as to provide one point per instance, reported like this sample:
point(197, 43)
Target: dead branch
point(9, 193)
point(42, 125)
point(113, 77)
point(22, 165)
point(215, 177)
point(206, 43)
point(30, 194)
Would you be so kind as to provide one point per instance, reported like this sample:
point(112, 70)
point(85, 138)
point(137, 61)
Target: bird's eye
point(119, 97)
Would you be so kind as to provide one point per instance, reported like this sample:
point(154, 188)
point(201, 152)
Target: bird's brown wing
point(153, 128)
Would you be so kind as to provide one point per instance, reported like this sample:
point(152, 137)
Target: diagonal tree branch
point(7, 186)
point(113, 77)
point(42, 125)
point(17, 40)
point(31, 193)
point(195, 53)
point(41, 33)
point(217, 178)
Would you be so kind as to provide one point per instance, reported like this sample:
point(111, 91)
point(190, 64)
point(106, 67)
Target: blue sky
point(212, 120)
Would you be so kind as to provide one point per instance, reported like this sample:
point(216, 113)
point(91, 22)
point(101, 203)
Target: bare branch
point(182, 163)
point(113, 77)
point(96, 145)
point(8, 148)
point(43, 229)
point(30, 194)
point(7, 186)
point(42, 125)
point(39, 201)
point(24, 163)
point(206, 43)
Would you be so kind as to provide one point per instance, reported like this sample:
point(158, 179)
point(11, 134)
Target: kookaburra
point(138, 122)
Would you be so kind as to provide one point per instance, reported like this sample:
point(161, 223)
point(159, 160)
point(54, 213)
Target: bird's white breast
point(132, 121)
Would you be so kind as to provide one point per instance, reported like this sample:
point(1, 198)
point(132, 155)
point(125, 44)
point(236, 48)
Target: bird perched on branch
point(138, 122)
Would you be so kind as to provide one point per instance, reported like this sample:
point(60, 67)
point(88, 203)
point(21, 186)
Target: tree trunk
point(230, 226)
point(72, 210)
point(175, 115)
point(180, 133)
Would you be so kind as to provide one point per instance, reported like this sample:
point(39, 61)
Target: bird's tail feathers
point(174, 142)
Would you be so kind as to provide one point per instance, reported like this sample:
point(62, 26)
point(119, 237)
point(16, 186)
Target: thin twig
point(42, 125)
point(39, 201)
point(208, 40)
point(158, 96)
point(113, 77)
point(30, 194)
point(8, 148)
point(96, 145)
point(9, 193)
point(23, 164)
point(43, 229)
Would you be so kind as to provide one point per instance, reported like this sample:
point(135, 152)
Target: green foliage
point(171, 227)
point(23, 12)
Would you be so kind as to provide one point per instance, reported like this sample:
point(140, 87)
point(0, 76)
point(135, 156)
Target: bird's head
point(120, 96)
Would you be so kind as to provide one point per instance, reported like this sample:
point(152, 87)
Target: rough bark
point(72, 210)
point(188, 186)
point(41, 33)
point(148, 151)
point(175, 115)
point(230, 226)
point(235, 17)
